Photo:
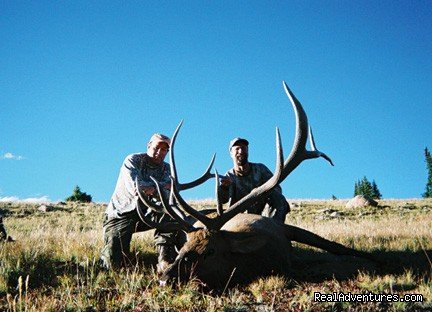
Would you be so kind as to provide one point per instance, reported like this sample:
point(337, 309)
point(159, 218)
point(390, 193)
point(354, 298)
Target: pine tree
point(428, 193)
point(364, 187)
point(376, 194)
point(356, 188)
point(79, 196)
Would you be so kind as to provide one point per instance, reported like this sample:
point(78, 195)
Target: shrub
point(78, 196)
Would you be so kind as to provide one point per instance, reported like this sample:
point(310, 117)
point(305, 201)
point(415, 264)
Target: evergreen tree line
point(365, 187)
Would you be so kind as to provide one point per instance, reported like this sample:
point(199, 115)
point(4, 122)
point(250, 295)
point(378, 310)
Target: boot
point(167, 255)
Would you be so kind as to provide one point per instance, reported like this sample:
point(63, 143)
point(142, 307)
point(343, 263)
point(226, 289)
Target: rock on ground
point(361, 201)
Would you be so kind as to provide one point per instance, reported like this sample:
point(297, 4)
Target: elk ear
point(245, 242)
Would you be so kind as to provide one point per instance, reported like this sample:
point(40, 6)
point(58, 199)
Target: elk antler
point(168, 226)
point(283, 169)
point(299, 152)
point(180, 223)
point(223, 216)
point(184, 186)
point(172, 211)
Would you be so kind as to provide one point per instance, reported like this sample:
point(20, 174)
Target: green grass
point(53, 264)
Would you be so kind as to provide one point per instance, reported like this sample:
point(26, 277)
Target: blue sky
point(85, 83)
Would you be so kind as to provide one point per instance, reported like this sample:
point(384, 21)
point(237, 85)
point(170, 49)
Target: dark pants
point(118, 235)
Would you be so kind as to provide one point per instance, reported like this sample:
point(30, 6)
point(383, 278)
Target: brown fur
point(247, 247)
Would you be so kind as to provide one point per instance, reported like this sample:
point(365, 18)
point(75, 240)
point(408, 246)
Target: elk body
point(245, 248)
point(234, 247)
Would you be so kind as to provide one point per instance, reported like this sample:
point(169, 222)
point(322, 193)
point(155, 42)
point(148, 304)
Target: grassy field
point(53, 264)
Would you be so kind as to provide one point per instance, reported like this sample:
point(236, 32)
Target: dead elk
point(234, 247)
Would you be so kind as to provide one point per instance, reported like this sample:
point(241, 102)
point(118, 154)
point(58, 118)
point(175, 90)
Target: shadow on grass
point(313, 266)
point(307, 266)
point(143, 260)
point(46, 272)
point(43, 272)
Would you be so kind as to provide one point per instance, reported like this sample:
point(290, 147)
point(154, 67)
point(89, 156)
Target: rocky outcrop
point(361, 201)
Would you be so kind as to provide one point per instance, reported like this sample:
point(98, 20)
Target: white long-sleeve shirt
point(124, 198)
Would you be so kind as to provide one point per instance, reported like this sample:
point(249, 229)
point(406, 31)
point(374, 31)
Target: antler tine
point(257, 192)
point(208, 222)
point(173, 166)
point(162, 227)
point(299, 152)
point(144, 199)
point(218, 203)
point(177, 186)
point(184, 186)
point(207, 175)
point(315, 153)
point(169, 210)
point(312, 140)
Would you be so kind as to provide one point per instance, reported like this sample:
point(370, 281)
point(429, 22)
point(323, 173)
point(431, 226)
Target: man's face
point(239, 154)
point(157, 151)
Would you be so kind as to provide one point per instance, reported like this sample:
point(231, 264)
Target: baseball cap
point(157, 138)
point(237, 141)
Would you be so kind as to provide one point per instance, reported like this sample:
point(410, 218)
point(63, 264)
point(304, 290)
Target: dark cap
point(237, 141)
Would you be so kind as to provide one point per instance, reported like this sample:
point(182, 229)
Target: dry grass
point(53, 263)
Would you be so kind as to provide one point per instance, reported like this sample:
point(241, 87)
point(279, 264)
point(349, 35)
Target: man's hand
point(148, 190)
point(152, 191)
point(225, 181)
